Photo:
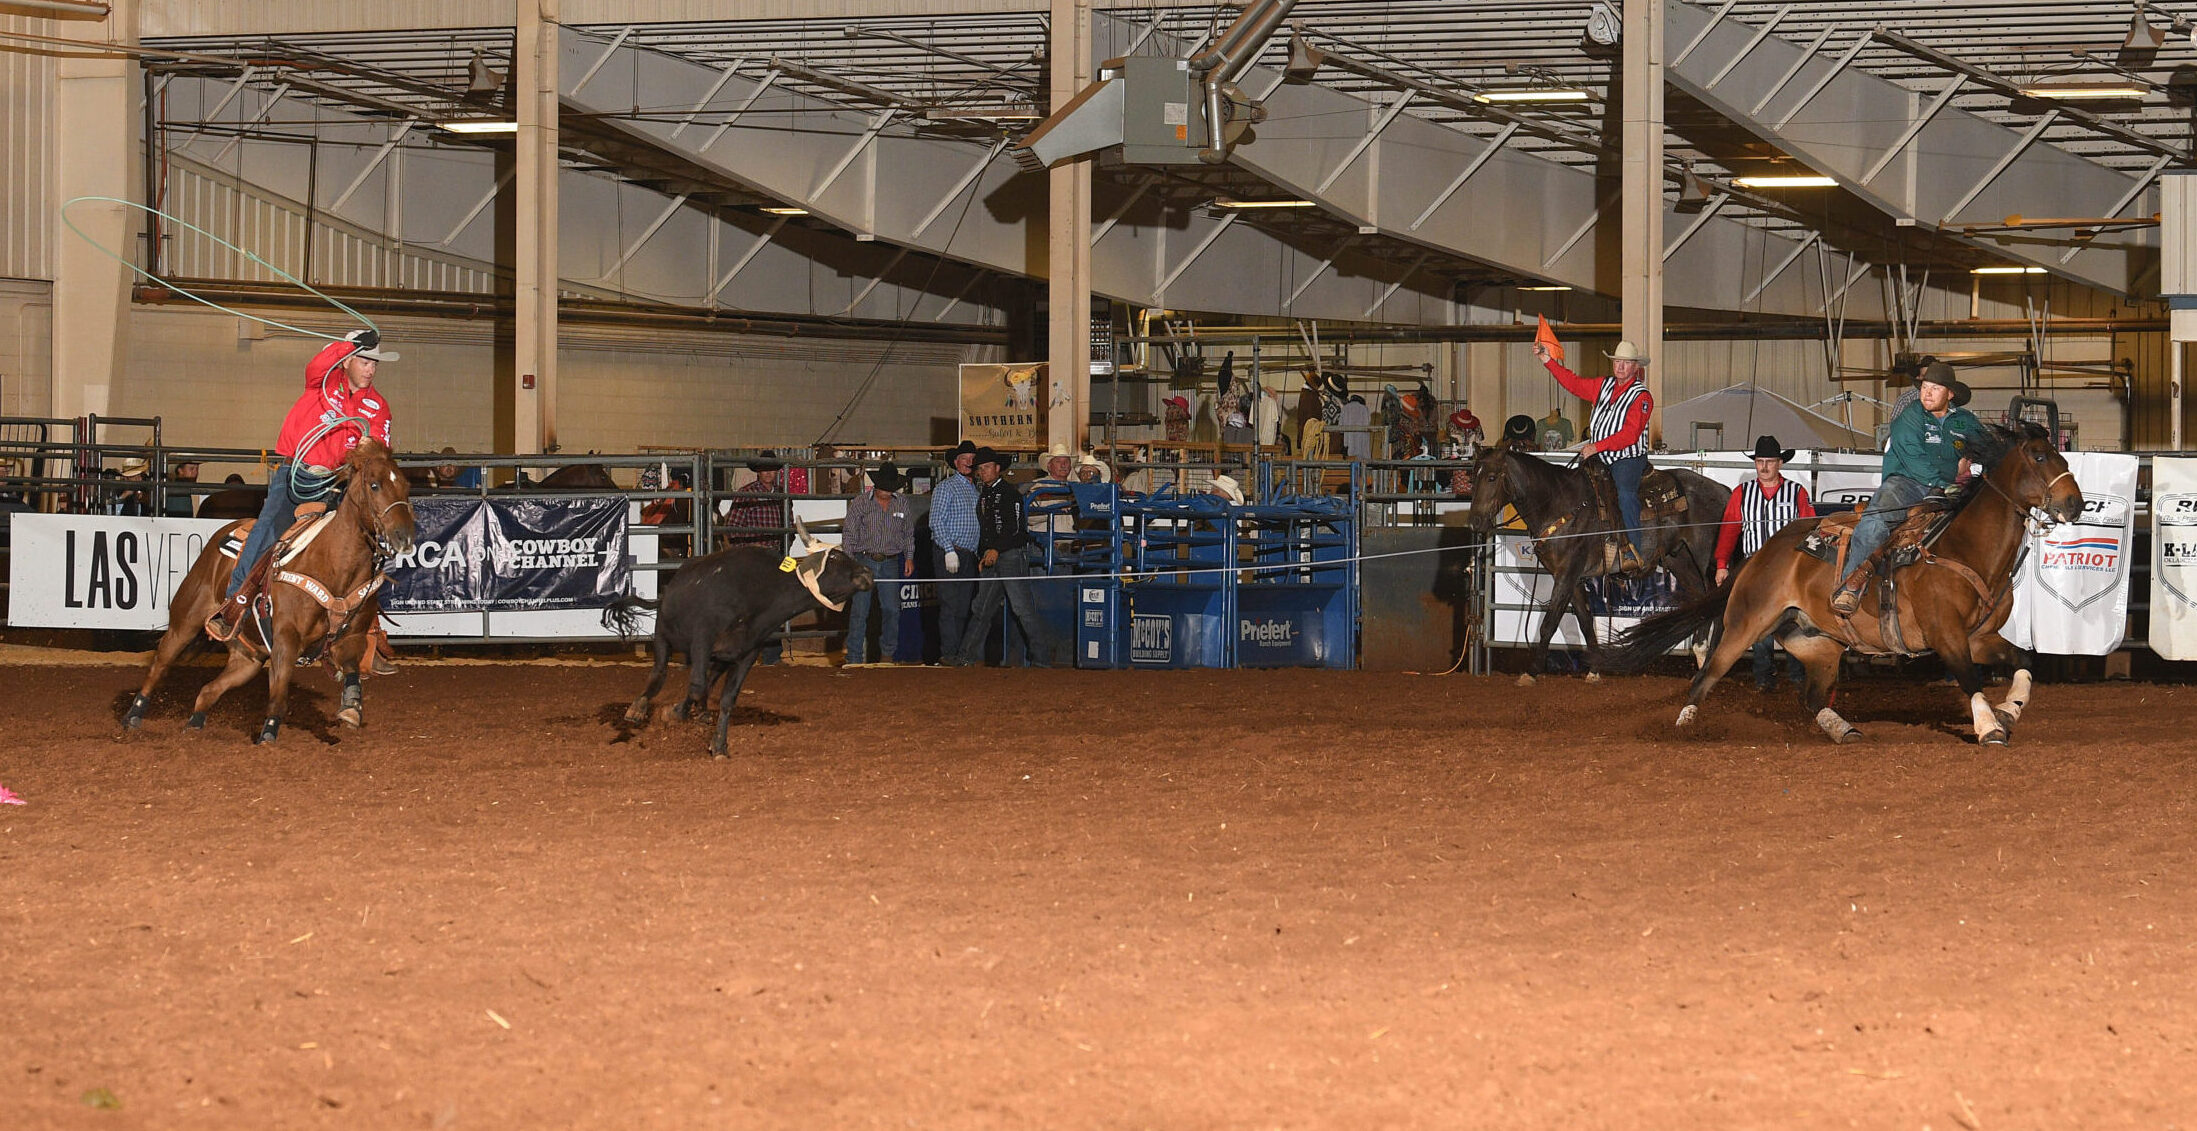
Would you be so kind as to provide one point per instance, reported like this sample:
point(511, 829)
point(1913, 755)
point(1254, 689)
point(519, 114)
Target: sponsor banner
point(511, 553)
point(1280, 640)
point(100, 571)
point(1151, 639)
point(1002, 406)
point(1845, 480)
point(2174, 558)
point(2071, 597)
point(1617, 603)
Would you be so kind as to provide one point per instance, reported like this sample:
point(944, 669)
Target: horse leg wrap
point(198, 721)
point(354, 701)
point(2017, 697)
point(1686, 714)
point(136, 713)
point(269, 730)
point(1839, 729)
point(1988, 730)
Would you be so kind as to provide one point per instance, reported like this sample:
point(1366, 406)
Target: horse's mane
point(1991, 445)
point(360, 453)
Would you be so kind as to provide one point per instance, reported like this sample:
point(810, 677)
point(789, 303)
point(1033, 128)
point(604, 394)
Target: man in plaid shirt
point(954, 537)
point(770, 513)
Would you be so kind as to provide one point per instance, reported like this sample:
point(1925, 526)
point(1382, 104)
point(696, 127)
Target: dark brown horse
point(342, 564)
point(1952, 601)
point(579, 477)
point(1559, 508)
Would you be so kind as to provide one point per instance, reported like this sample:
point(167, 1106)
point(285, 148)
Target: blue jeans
point(888, 573)
point(275, 517)
point(954, 598)
point(1764, 654)
point(1008, 583)
point(1626, 473)
point(1887, 509)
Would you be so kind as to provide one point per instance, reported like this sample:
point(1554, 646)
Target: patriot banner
point(511, 553)
point(2174, 558)
point(2071, 597)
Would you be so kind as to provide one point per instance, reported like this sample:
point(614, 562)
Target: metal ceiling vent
point(1164, 111)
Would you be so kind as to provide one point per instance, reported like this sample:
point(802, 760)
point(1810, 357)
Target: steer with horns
point(721, 609)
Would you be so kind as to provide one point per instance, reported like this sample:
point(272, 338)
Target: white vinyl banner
point(99, 571)
point(2174, 558)
point(1844, 479)
point(2071, 597)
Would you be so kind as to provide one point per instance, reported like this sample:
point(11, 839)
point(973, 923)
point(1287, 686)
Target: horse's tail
point(619, 616)
point(1632, 650)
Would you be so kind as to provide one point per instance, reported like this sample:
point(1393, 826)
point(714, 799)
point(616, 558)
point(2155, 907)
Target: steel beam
point(1852, 125)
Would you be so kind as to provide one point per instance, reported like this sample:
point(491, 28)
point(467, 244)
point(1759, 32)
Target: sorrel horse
point(1559, 507)
point(1952, 601)
point(320, 602)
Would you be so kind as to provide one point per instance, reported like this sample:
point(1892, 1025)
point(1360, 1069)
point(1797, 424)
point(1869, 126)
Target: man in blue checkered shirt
point(954, 537)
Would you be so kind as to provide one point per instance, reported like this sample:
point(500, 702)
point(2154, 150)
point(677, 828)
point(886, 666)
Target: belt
point(874, 557)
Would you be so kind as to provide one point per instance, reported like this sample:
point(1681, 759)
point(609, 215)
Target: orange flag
point(1547, 337)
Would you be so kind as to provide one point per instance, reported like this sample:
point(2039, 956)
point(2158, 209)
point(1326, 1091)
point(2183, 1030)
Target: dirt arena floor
point(992, 899)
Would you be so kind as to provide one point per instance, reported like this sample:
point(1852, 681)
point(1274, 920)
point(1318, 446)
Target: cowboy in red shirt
point(1617, 432)
point(340, 407)
point(1758, 509)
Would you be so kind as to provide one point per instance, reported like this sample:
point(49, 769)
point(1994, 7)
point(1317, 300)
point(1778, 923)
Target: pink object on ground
point(8, 797)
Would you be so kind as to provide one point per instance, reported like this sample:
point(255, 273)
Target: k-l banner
point(2174, 566)
point(100, 571)
point(2071, 597)
point(511, 554)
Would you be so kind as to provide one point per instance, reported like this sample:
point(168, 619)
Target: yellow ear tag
point(785, 564)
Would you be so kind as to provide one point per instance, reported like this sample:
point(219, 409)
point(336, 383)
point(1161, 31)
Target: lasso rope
point(185, 292)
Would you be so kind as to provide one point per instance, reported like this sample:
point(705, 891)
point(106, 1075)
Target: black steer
point(721, 609)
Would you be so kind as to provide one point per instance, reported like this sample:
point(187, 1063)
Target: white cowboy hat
point(1626, 351)
point(1089, 460)
point(1058, 451)
point(1226, 487)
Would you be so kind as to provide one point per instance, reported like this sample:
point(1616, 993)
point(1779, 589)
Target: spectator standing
point(1004, 558)
point(448, 474)
point(763, 519)
point(879, 533)
point(182, 503)
point(954, 538)
point(1758, 509)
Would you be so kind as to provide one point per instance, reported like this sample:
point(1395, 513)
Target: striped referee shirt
point(1753, 516)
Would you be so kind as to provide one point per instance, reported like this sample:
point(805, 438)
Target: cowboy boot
point(1847, 599)
point(380, 651)
point(229, 617)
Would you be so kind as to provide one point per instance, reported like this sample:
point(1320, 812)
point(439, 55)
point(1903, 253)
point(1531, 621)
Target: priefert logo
point(1269, 633)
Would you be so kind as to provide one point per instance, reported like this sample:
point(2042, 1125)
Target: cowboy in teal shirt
point(1929, 438)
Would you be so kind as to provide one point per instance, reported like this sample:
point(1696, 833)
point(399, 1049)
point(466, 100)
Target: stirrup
point(1846, 601)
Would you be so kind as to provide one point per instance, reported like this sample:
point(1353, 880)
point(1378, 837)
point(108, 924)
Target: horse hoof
point(1686, 715)
point(1525, 679)
point(1849, 738)
point(1995, 738)
point(268, 732)
point(350, 717)
point(719, 756)
point(636, 718)
point(132, 721)
point(198, 721)
point(1594, 677)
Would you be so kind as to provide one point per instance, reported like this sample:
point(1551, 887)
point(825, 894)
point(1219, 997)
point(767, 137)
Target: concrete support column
point(1486, 385)
point(1642, 208)
point(1068, 243)
point(529, 420)
point(95, 153)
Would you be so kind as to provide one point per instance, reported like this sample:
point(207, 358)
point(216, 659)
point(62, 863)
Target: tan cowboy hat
point(1226, 487)
point(135, 466)
point(1627, 351)
point(1089, 460)
point(1058, 451)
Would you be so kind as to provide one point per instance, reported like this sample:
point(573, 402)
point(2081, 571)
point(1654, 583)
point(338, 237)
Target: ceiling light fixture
point(1693, 192)
point(479, 126)
point(1264, 204)
point(1809, 180)
point(1546, 287)
point(2006, 270)
point(786, 211)
point(2075, 91)
point(2141, 48)
point(1531, 94)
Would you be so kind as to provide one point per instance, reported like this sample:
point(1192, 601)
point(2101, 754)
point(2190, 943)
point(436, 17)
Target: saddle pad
point(301, 535)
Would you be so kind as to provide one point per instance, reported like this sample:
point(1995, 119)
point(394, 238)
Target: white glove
point(953, 562)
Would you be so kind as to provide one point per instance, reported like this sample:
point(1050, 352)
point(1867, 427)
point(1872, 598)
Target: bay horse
point(321, 601)
point(1952, 601)
point(1558, 505)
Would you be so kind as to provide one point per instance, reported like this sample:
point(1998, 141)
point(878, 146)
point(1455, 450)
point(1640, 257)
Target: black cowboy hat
point(1766, 448)
point(966, 448)
point(886, 477)
point(1939, 373)
point(987, 455)
point(1519, 427)
point(765, 461)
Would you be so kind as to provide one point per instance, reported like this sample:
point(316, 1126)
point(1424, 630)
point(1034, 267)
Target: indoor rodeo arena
point(1041, 564)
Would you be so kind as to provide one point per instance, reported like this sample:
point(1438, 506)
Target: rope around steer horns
point(810, 566)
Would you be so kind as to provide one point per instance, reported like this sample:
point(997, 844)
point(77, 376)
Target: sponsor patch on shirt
point(370, 403)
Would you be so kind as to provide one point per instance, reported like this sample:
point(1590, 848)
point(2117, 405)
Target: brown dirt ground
point(998, 899)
